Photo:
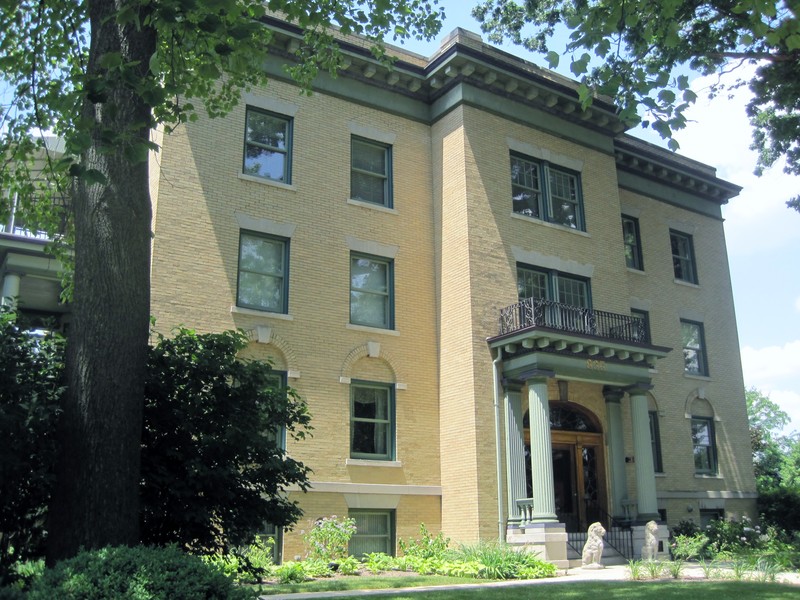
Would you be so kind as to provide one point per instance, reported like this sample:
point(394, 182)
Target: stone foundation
point(547, 540)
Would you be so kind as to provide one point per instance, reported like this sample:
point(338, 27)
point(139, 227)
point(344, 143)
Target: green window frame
point(704, 446)
point(540, 284)
point(270, 531)
point(633, 243)
point(372, 420)
point(683, 260)
point(375, 532)
point(267, 145)
point(695, 360)
point(263, 274)
point(371, 291)
point(547, 192)
point(655, 441)
point(371, 172)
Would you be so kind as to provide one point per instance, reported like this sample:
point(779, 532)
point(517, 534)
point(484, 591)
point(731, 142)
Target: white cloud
point(763, 367)
point(757, 221)
point(775, 372)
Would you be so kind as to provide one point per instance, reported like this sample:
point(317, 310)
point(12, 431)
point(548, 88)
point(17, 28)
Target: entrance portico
point(615, 360)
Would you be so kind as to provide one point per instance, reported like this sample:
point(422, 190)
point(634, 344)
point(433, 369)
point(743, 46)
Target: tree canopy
point(102, 75)
point(642, 53)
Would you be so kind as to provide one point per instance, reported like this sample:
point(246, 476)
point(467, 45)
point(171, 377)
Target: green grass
point(365, 583)
point(607, 590)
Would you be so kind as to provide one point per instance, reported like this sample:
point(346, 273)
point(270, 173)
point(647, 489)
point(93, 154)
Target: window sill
point(372, 329)
point(637, 271)
point(371, 205)
point(660, 474)
point(364, 462)
point(261, 313)
point(696, 376)
point(548, 224)
point(270, 182)
point(687, 283)
point(707, 476)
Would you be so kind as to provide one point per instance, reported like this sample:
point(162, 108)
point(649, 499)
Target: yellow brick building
point(508, 317)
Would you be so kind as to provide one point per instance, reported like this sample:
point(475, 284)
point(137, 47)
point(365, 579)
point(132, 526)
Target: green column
point(515, 451)
point(544, 503)
point(647, 504)
point(616, 449)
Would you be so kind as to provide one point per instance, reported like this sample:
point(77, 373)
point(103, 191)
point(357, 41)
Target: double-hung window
point(633, 243)
point(547, 192)
point(546, 285)
point(683, 263)
point(372, 421)
point(704, 445)
point(371, 291)
point(694, 348)
point(565, 299)
point(263, 272)
point(374, 532)
point(267, 145)
point(371, 172)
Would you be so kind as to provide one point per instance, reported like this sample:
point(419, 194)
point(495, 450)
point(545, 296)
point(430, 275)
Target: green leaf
point(666, 96)
point(155, 64)
point(94, 177)
point(553, 59)
point(110, 60)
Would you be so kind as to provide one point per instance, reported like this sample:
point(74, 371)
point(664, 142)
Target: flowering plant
point(328, 538)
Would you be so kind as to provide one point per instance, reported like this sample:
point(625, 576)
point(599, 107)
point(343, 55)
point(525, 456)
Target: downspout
point(501, 525)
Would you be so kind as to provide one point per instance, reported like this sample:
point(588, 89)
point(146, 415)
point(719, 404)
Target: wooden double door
point(579, 482)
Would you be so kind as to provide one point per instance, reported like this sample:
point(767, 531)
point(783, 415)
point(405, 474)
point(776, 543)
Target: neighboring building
point(504, 313)
point(30, 276)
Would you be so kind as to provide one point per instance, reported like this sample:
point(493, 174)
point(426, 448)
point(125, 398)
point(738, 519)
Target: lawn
point(613, 590)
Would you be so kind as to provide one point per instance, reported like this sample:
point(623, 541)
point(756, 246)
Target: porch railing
point(619, 535)
point(535, 312)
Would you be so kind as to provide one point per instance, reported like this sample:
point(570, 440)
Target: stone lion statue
point(593, 548)
point(650, 548)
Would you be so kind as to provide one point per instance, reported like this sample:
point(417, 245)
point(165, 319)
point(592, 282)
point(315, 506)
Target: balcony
point(543, 334)
point(532, 312)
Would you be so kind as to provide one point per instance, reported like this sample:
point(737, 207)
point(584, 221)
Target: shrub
point(31, 385)
point(376, 562)
point(315, 567)
point(501, 561)
point(781, 508)
point(290, 572)
point(328, 538)
point(349, 566)
point(690, 547)
point(139, 573)
point(213, 469)
point(427, 546)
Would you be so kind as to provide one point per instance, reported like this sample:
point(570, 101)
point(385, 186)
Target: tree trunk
point(96, 501)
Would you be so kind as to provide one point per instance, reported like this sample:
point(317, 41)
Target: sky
point(762, 234)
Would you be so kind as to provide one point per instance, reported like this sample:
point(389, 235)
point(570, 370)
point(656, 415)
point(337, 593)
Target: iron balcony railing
point(16, 226)
point(534, 312)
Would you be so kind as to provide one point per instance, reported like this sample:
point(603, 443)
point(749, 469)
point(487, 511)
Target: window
point(374, 532)
point(263, 272)
point(371, 172)
point(371, 291)
point(694, 351)
point(642, 331)
point(547, 285)
point(710, 514)
point(372, 421)
point(271, 532)
point(633, 243)
point(278, 379)
point(546, 192)
point(683, 256)
point(655, 440)
point(267, 146)
point(704, 445)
